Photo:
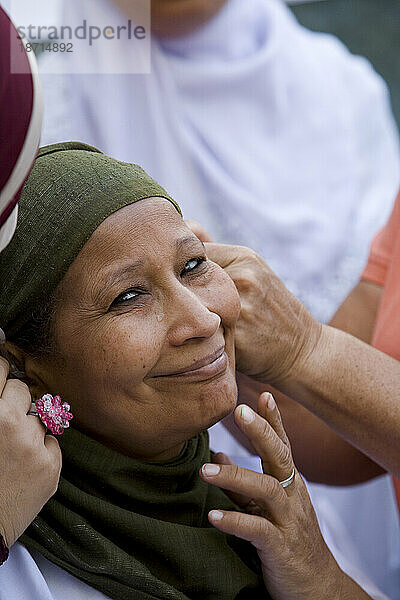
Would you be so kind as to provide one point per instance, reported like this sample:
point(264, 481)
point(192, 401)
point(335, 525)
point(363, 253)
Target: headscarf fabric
point(71, 190)
point(139, 531)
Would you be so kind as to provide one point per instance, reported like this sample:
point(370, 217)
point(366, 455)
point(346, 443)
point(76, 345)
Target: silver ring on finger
point(33, 411)
point(286, 482)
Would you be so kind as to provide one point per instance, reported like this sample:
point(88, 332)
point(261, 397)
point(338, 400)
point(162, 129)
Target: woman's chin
point(218, 400)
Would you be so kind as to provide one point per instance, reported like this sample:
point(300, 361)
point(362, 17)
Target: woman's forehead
point(137, 224)
point(140, 233)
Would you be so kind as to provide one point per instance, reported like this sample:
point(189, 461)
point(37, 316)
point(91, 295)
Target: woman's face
point(145, 333)
point(175, 17)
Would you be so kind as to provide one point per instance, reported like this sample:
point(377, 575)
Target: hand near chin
point(280, 522)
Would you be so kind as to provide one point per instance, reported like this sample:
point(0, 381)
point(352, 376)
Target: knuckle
point(17, 387)
point(237, 473)
point(242, 251)
point(243, 283)
point(264, 428)
point(9, 423)
point(274, 488)
point(284, 456)
point(240, 520)
point(259, 531)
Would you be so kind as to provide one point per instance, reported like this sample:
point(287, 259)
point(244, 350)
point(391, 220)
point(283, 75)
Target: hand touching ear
point(275, 333)
point(30, 460)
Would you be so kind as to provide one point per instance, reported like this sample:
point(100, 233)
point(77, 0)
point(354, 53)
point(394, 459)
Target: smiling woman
point(112, 303)
point(165, 380)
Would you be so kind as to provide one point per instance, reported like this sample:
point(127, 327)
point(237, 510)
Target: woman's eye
point(192, 264)
point(125, 297)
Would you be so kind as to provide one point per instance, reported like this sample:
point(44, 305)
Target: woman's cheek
point(138, 344)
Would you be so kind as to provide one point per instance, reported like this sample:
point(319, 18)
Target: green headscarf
point(71, 190)
point(133, 530)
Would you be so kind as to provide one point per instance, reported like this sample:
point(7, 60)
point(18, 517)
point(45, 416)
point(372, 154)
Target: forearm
point(355, 390)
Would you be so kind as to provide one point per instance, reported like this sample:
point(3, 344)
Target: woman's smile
point(209, 367)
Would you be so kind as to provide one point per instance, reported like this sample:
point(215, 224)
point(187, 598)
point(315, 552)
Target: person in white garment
point(30, 461)
point(248, 114)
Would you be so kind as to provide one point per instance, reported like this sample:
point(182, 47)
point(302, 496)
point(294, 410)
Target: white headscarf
point(268, 134)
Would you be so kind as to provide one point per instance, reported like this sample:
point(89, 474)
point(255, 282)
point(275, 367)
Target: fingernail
point(210, 469)
point(270, 401)
point(215, 515)
point(247, 414)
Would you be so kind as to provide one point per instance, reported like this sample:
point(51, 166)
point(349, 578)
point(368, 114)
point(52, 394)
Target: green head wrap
point(71, 190)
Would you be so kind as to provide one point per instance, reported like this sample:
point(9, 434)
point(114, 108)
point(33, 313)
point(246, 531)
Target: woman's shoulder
point(26, 575)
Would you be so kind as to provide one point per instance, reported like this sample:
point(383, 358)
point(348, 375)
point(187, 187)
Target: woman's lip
point(214, 369)
point(203, 366)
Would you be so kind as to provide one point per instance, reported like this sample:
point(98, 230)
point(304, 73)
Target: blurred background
point(367, 27)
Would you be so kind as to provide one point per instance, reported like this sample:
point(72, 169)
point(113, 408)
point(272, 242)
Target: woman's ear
point(26, 368)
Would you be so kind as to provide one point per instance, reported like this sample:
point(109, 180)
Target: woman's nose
point(192, 319)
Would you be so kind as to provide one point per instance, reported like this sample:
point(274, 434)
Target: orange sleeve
point(382, 248)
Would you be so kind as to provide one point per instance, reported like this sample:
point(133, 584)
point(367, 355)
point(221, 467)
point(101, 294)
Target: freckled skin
point(108, 356)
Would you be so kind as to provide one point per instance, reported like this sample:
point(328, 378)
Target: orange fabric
point(383, 268)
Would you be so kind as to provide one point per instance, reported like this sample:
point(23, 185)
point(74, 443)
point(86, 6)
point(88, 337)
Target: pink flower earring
point(54, 414)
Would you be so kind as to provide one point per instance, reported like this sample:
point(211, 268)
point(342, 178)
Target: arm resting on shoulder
point(305, 430)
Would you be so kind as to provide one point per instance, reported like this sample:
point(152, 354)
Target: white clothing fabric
point(23, 577)
point(28, 576)
point(269, 135)
point(366, 534)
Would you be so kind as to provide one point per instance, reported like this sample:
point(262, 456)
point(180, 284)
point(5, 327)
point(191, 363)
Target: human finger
point(4, 370)
point(275, 455)
point(263, 493)
point(252, 528)
point(268, 409)
point(198, 230)
point(221, 458)
point(16, 394)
